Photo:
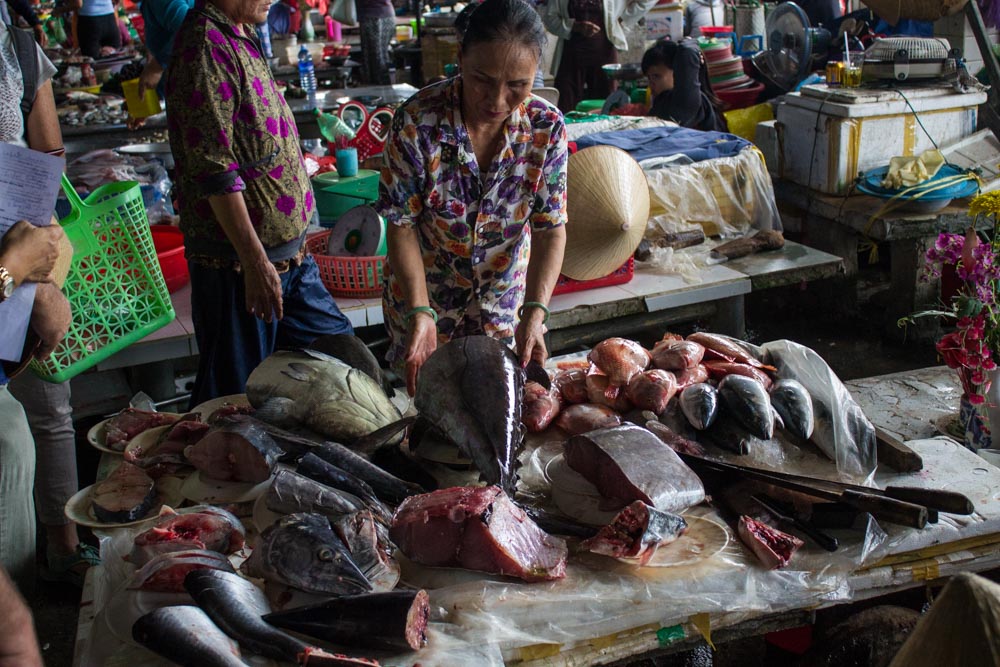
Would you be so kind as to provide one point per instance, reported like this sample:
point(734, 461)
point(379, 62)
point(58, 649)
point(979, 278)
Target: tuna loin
point(395, 620)
point(628, 463)
point(238, 452)
point(773, 547)
point(637, 532)
point(479, 529)
point(125, 495)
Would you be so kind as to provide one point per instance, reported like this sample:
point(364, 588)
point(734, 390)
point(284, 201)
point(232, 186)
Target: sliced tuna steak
point(129, 423)
point(477, 528)
point(628, 463)
point(773, 547)
point(213, 529)
point(125, 495)
point(238, 452)
point(636, 532)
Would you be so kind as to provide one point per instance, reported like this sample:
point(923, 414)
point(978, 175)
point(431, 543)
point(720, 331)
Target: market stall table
point(659, 611)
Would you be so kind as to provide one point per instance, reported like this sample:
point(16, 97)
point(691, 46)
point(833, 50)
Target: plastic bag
point(842, 430)
point(727, 196)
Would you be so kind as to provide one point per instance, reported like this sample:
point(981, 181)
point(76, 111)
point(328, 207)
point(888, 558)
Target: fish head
point(305, 553)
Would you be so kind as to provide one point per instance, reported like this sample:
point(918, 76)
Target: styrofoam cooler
point(665, 20)
point(823, 138)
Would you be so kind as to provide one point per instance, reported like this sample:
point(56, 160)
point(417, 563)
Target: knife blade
point(825, 541)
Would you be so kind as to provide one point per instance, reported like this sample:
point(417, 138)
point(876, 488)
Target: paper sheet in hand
point(29, 185)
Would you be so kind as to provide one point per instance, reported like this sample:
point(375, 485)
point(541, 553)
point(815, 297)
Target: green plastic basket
point(115, 286)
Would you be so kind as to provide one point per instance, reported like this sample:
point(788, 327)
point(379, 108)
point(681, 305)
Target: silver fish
point(793, 403)
point(291, 492)
point(302, 551)
point(312, 389)
point(187, 636)
point(700, 404)
point(747, 401)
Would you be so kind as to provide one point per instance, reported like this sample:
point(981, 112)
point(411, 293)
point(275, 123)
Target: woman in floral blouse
point(474, 191)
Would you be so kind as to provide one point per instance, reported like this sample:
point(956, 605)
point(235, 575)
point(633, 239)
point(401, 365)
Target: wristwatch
point(6, 284)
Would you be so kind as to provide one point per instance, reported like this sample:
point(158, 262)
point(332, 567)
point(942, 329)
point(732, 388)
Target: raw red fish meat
point(676, 355)
point(674, 440)
point(773, 547)
point(598, 386)
point(691, 376)
point(229, 410)
point(636, 532)
point(620, 360)
point(723, 349)
point(720, 369)
point(212, 529)
point(572, 384)
point(587, 417)
point(235, 451)
point(628, 463)
point(652, 390)
point(478, 528)
point(129, 423)
point(166, 456)
point(165, 573)
point(541, 406)
point(125, 495)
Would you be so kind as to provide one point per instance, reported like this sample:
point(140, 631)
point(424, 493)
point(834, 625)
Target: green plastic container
point(115, 286)
point(589, 105)
point(335, 196)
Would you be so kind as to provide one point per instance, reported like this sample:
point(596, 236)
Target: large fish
point(212, 528)
point(326, 473)
point(700, 405)
point(185, 635)
point(291, 492)
point(386, 486)
point(652, 390)
point(235, 451)
point(620, 359)
point(302, 551)
point(352, 351)
point(312, 389)
point(471, 389)
point(166, 572)
point(371, 549)
point(396, 621)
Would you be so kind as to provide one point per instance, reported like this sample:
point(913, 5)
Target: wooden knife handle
point(888, 509)
point(943, 501)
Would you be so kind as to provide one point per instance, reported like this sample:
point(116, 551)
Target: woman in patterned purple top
point(474, 191)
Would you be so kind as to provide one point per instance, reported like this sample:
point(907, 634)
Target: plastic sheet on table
point(727, 196)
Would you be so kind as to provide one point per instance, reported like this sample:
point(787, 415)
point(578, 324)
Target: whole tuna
point(312, 389)
point(471, 389)
point(620, 359)
point(792, 402)
point(352, 351)
point(700, 404)
point(748, 403)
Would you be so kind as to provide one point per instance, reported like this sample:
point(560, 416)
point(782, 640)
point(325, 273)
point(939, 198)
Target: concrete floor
point(852, 345)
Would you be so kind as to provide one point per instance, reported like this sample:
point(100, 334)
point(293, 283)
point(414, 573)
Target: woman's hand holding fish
point(422, 342)
point(263, 288)
point(529, 337)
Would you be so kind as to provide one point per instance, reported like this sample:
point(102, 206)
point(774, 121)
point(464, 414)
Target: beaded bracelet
point(534, 304)
point(420, 309)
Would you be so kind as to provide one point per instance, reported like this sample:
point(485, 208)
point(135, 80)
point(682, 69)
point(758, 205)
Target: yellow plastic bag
point(743, 122)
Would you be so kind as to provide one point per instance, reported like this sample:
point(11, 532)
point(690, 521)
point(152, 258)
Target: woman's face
point(496, 79)
point(661, 78)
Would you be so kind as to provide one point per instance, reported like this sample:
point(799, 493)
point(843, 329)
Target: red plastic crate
point(358, 277)
point(619, 276)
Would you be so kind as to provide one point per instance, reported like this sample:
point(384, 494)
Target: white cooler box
point(823, 137)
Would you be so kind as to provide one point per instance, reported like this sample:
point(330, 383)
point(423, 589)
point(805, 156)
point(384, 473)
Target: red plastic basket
point(619, 276)
point(358, 277)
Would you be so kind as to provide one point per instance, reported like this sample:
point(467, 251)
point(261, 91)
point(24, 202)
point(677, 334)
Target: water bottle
point(307, 73)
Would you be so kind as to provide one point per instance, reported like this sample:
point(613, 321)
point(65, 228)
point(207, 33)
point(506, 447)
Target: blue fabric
point(665, 141)
point(907, 27)
point(162, 19)
point(232, 342)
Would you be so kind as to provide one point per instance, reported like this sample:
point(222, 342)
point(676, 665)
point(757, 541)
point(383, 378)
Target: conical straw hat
point(607, 207)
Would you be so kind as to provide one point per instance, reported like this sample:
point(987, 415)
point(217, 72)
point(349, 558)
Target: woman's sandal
point(71, 568)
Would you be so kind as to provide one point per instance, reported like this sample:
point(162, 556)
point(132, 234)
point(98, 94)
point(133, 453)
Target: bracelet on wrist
point(534, 304)
point(410, 314)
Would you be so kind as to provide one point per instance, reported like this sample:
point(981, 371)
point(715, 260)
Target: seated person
point(678, 84)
